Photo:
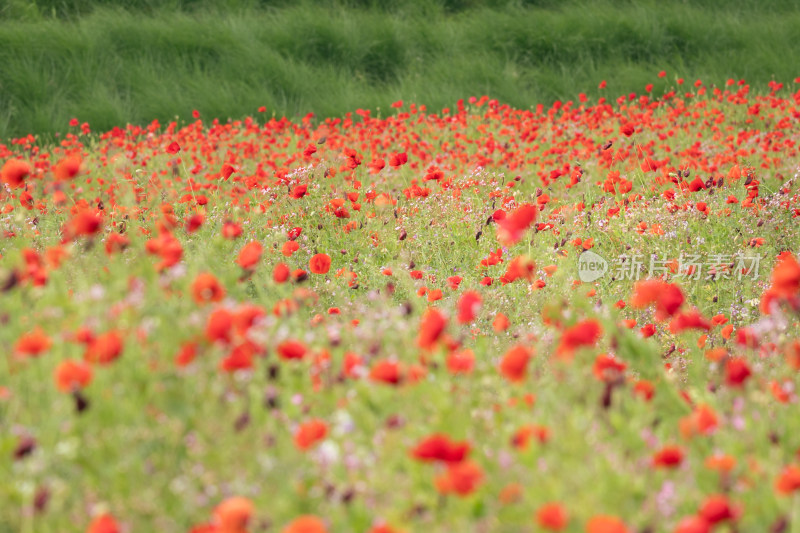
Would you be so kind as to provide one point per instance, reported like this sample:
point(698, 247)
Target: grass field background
point(157, 60)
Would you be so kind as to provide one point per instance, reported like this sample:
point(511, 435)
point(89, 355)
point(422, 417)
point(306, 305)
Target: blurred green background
point(111, 65)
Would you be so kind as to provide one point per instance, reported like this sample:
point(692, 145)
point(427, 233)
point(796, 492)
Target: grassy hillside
point(107, 66)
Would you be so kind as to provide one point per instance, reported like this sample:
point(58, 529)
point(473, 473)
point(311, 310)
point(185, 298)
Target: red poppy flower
point(736, 371)
point(14, 172)
point(320, 264)
point(33, 344)
point(218, 327)
point(231, 230)
point(70, 375)
point(460, 478)
point(431, 327)
point(305, 524)
point(667, 297)
point(280, 273)
point(668, 457)
point(116, 242)
point(310, 433)
point(454, 281)
point(500, 322)
point(67, 168)
point(290, 349)
point(233, 514)
point(511, 228)
point(585, 333)
point(786, 276)
point(186, 354)
point(239, 358)
point(789, 480)
point(702, 421)
point(195, 222)
point(386, 371)
point(606, 524)
point(439, 447)
point(689, 320)
point(289, 248)
point(250, 255)
point(717, 508)
point(298, 191)
point(104, 523)
point(226, 171)
point(468, 306)
point(104, 349)
point(206, 288)
point(461, 362)
point(85, 223)
point(514, 365)
point(552, 517)
point(608, 368)
point(693, 524)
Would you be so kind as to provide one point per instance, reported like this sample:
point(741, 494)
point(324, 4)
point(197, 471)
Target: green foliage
point(107, 65)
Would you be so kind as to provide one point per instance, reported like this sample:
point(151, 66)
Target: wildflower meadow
point(577, 317)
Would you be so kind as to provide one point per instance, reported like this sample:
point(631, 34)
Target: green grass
point(109, 67)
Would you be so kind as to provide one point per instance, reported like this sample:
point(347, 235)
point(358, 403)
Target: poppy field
point(386, 323)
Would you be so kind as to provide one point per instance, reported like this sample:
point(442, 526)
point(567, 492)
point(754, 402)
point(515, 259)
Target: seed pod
point(25, 446)
point(40, 499)
point(242, 422)
point(81, 402)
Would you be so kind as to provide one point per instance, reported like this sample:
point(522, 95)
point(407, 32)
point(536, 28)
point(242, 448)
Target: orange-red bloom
point(737, 371)
point(320, 264)
point(552, 517)
point(786, 276)
point(104, 349)
point(206, 288)
point(67, 168)
point(310, 433)
point(668, 457)
point(717, 508)
point(439, 447)
point(14, 172)
point(514, 365)
point(667, 297)
point(693, 524)
point(789, 480)
point(468, 306)
point(606, 524)
point(233, 515)
point(431, 328)
point(689, 320)
point(70, 375)
point(33, 344)
point(461, 361)
point(305, 524)
point(511, 228)
point(585, 333)
point(250, 255)
point(104, 523)
point(608, 368)
point(291, 349)
point(386, 371)
point(461, 478)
